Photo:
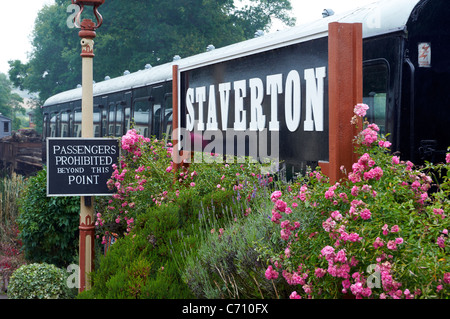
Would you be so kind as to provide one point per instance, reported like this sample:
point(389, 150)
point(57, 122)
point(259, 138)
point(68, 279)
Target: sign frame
point(81, 141)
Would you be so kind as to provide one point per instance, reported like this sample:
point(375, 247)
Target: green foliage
point(38, 281)
point(133, 34)
point(48, 225)
point(139, 265)
point(227, 264)
point(10, 103)
point(379, 233)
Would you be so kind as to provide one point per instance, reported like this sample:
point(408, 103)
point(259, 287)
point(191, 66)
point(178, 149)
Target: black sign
point(80, 167)
point(275, 100)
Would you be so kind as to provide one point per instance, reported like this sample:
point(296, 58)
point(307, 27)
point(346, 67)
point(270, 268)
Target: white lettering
point(258, 119)
point(240, 93)
point(224, 94)
point(200, 94)
point(292, 104)
point(274, 87)
point(211, 121)
point(314, 98)
point(190, 114)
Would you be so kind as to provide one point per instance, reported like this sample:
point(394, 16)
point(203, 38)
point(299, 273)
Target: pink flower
point(280, 205)
point(360, 109)
point(319, 272)
point(378, 243)
point(365, 214)
point(447, 158)
point(271, 273)
point(395, 229)
point(295, 295)
point(275, 195)
point(395, 160)
point(391, 245)
point(192, 184)
point(447, 278)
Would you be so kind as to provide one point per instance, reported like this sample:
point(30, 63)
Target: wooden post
point(87, 227)
point(345, 91)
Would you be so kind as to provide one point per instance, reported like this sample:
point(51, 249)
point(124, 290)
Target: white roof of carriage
point(379, 17)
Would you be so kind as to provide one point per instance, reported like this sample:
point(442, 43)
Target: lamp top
point(88, 2)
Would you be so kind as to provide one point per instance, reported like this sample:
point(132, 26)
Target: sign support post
point(345, 91)
point(87, 228)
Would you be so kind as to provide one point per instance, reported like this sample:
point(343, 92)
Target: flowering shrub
point(145, 177)
point(379, 233)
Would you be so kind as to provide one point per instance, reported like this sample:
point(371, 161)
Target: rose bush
point(380, 233)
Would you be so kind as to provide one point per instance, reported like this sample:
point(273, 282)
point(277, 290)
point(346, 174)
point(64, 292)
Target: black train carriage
point(406, 79)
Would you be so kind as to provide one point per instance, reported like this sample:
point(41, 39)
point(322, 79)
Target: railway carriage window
point(77, 123)
point(119, 120)
point(111, 119)
point(156, 120)
point(65, 124)
point(53, 124)
point(104, 122)
point(168, 110)
point(127, 118)
point(96, 122)
point(375, 84)
point(141, 116)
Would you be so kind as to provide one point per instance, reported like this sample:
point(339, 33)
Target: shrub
point(379, 233)
point(151, 207)
point(48, 225)
point(38, 281)
point(139, 264)
point(227, 263)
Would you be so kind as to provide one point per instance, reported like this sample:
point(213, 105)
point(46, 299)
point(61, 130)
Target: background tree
point(10, 103)
point(135, 33)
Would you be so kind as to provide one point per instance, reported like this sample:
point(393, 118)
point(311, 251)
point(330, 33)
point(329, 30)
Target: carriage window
point(156, 120)
point(119, 120)
point(104, 122)
point(111, 120)
point(375, 84)
point(127, 118)
point(141, 116)
point(53, 124)
point(167, 128)
point(65, 124)
point(96, 122)
point(77, 123)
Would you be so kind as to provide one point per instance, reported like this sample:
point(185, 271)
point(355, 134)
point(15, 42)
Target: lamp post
point(87, 228)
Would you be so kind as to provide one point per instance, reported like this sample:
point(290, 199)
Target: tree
point(135, 33)
point(10, 103)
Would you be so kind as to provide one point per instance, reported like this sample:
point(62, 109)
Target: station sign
point(80, 166)
point(273, 102)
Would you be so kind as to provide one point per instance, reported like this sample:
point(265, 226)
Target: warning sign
point(80, 167)
point(424, 59)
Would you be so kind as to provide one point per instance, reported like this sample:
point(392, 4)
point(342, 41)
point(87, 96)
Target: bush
point(227, 263)
point(139, 264)
point(379, 233)
point(152, 206)
point(38, 281)
point(48, 225)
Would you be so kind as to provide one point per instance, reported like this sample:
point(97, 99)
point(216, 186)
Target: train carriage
point(406, 82)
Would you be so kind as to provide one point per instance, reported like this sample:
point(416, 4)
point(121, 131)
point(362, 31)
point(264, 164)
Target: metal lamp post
point(87, 228)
